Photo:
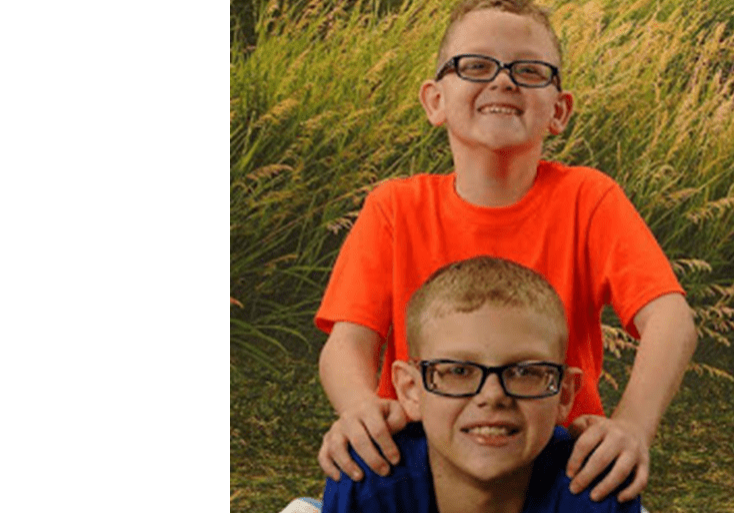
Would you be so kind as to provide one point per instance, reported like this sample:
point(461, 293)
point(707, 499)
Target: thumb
point(581, 424)
point(396, 418)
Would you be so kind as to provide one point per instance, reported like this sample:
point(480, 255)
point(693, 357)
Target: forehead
point(503, 35)
point(492, 335)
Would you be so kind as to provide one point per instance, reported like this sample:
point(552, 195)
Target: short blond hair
point(467, 285)
point(520, 7)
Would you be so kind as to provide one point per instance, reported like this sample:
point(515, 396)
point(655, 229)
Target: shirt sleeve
point(628, 267)
point(360, 286)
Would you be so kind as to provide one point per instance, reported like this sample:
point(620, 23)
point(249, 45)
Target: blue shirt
point(409, 487)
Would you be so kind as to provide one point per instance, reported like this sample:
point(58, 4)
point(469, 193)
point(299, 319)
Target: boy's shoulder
point(408, 486)
point(549, 486)
point(413, 447)
point(424, 197)
point(551, 175)
point(557, 173)
point(415, 186)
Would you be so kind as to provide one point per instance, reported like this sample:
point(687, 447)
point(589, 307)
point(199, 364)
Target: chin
point(487, 473)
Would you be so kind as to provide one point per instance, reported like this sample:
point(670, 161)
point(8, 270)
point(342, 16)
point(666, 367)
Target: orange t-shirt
point(575, 226)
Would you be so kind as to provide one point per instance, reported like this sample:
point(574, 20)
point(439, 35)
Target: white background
point(114, 267)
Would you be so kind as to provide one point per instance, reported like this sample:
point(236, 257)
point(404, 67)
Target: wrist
point(355, 400)
point(642, 424)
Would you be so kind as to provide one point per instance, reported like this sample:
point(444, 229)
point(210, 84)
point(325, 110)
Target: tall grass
point(325, 106)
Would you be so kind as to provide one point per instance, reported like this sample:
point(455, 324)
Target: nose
point(492, 393)
point(503, 80)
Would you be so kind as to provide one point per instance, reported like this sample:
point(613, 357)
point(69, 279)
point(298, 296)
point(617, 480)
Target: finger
point(338, 451)
point(597, 463)
point(379, 431)
point(397, 419)
point(583, 447)
point(578, 426)
point(327, 464)
point(363, 445)
point(639, 483)
point(584, 422)
point(623, 467)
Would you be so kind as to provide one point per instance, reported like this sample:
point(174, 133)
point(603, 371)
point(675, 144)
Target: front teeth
point(490, 431)
point(499, 110)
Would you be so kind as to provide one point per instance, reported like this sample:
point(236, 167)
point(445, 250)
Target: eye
point(475, 66)
point(460, 370)
point(455, 371)
point(532, 379)
point(532, 70)
point(528, 69)
point(528, 372)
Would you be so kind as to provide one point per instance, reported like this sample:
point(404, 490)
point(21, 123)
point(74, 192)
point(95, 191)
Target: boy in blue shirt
point(486, 388)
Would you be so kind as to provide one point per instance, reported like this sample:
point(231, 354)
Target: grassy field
point(324, 106)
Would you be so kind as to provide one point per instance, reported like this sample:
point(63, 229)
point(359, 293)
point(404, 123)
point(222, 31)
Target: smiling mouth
point(500, 109)
point(491, 431)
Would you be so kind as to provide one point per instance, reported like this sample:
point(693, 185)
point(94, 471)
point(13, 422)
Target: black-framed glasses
point(481, 68)
point(457, 378)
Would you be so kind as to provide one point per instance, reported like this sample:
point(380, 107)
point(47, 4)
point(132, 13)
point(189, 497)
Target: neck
point(458, 493)
point(495, 178)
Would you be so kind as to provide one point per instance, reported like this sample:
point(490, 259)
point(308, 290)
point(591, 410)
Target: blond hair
point(467, 285)
point(520, 7)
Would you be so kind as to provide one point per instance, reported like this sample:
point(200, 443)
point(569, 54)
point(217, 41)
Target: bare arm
point(667, 341)
point(348, 368)
point(348, 365)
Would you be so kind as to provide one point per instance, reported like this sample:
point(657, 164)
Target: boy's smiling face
point(490, 436)
point(497, 115)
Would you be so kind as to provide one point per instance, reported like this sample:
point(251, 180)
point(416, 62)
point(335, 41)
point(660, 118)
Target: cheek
point(548, 108)
point(455, 110)
point(544, 420)
point(460, 98)
point(439, 416)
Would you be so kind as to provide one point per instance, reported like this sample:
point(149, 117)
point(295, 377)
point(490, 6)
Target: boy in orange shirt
point(498, 93)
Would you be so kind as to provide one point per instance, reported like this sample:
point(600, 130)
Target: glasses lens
point(531, 73)
point(453, 378)
point(476, 67)
point(532, 380)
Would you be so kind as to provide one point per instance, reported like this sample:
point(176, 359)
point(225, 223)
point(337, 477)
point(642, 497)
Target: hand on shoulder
point(604, 443)
point(368, 428)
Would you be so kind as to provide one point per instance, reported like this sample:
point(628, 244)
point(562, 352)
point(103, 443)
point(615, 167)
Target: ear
point(407, 382)
point(562, 109)
point(571, 384)
point(432, 100)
